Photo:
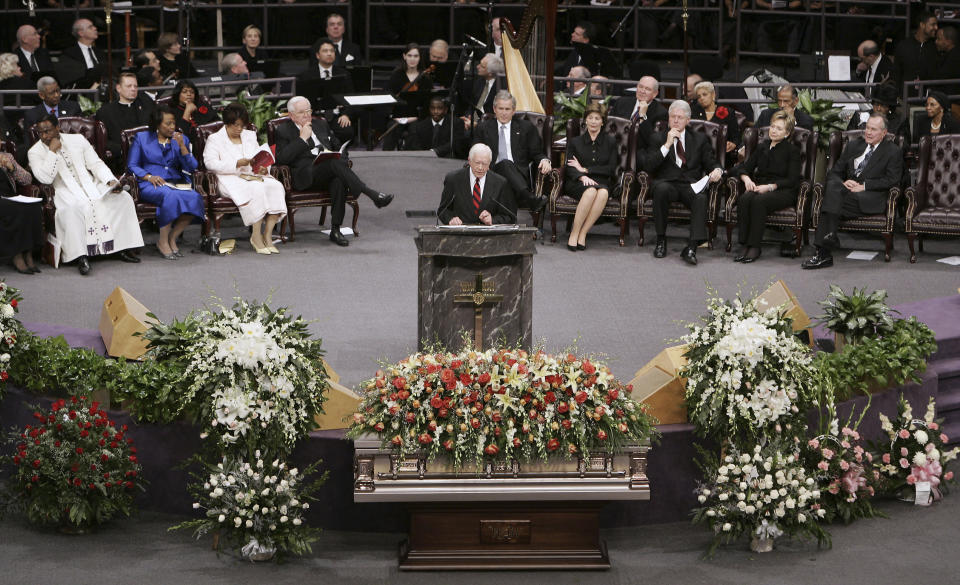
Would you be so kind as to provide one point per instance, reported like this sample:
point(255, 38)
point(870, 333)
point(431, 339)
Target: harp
point(528, 54)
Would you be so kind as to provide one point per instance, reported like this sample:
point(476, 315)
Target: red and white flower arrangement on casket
point(501, 404)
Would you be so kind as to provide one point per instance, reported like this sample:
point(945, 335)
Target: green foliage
point(895, 358)
point(568, 108)
point(857, 315)
point(47, 365)
point(261, 111)
point(88, 106)
point(826, 117)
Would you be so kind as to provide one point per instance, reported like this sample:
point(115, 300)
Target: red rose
point(447, 376)
point(410, 417)
point(465, 379)
point(203, 109)
point(399, 383)
point(72, 414)
point(456, 364)
point(448, 445)
point(130, 485)
point(563, 407)
point(491, 449)
point(425, 439)
point(108, 484)
point(550, 397)
point(496, 417)
point(475, 423)
point(722, 112)
point(101, 442)
point(13, 303)
point(588, 368)
point(602, 435)
point(396, 440)
point(433, 425)
point(77, 482)
point(566, 423)
point(572, 448)
point(378, 427)
point(83, 434)
point(404, 394)
point(484, 378)
point(623, 427)
point(79, 450)
point(16, 460)
point(581, 397)
point(36, 463)
point(553, 445)
point(436, 402)
point(516, 441)
point(34, 479)
point(443, 413)
point(133, 458)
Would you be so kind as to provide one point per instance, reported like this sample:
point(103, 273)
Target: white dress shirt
point(85, 51)
point(473, 180)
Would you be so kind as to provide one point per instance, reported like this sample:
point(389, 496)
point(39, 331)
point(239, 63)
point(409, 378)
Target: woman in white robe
point(229, 153)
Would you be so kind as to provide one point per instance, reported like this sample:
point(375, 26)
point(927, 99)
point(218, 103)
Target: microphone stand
point(108, 17)
point(619, 29)
point(186, 12)
point(455, 87)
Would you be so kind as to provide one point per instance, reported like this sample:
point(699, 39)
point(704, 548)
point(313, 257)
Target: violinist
point(411, 86)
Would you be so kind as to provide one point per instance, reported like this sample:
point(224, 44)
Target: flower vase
point(761, 544)
point(257, 552)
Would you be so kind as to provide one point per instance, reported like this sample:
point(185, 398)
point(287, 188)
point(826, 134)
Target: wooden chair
point(933, 204)
point(717, 134)
point(542, 184)
point(881, 223)
point(625, 134)
point(297, 199)
point(145, 210)
point(217, 205)
point(795, 217)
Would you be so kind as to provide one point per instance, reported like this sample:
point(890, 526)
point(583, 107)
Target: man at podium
point(474, 195)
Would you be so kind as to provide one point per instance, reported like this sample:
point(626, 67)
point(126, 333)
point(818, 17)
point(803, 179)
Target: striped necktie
point(476, 195)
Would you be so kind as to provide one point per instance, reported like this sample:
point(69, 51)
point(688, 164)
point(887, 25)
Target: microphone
point(445, 207)
point(513, 214)
point(476, 41)
point(31, 6)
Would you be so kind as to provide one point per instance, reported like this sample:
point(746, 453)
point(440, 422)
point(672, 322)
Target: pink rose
point(943, 438)
point(929, 447)
point(814, 444)
point(886, 458)
point(948, 476)
point(870, 456)
point(844, 465)
point(933, 426)
point(904, 463)
point(904, 434)
point(833, 489)
point(823, 465)
point(845, 444)
point(827, 454)
point(911, 480)
point(904, 452)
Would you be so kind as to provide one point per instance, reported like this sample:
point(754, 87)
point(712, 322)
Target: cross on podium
point(477, 295)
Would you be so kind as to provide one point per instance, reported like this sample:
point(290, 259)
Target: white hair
point(45, 82)
point(707, 86)
point(292, 102)
point(681, 105)
point(480, 149)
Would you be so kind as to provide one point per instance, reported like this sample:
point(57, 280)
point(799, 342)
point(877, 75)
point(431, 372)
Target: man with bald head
point(84, 64)
point(34, 59)
point(874, 66)
point(642, 106)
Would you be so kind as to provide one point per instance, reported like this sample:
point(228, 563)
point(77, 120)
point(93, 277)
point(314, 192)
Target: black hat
point(885, 94)
point(941, 98)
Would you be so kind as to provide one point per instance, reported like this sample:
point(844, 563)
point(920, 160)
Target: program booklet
point(329, 154)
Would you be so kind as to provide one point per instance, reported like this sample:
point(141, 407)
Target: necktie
point(863, 163)
point(33, 62)
point(483, 96)
point(436, 135)
point(681, 154)
point(636, 115)
point(93, 57)
point(311, 143)
point(476, 196)
point(326, 74)
point(502, 147)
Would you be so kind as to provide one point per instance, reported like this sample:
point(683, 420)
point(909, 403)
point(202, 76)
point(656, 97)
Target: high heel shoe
point(571, 248)
point(581, 247)
point(24, 270)
point(259, 250)
point(273, 250)
point(34, 269)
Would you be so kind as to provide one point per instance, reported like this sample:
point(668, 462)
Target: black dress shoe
point(26, 270)
point(581, 247)
point(34, 269)
point(739, 258)
point(660, 249)
point(819, 260)
point(127, 256)
point(831, 240)
point(83, 265)
point(381, 200)
point(571, 248)
point(337, 238)
point(748, 259)
point(689, 255)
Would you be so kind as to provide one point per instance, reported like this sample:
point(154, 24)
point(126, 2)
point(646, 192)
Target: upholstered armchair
point(297, 200)
point(542, 184)
point(933, 204)
point(794, 217)
point(717, 133)
point(625, 134)
point(879, 223)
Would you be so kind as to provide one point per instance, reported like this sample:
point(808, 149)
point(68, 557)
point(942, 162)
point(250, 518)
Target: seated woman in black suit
point(412, 90)
point(191, 109)
point(251, 51)
point(21, 224)
point(706, 108)
point(771, 179)
point(939, 118)
point(591, 163)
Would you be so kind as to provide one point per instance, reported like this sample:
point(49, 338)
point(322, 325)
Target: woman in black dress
point(191, 109)
point(173, 61)
point(20, 223)
point(771, 179)
point(251, 51)
point(939, 119)
point(591, 163)
point(412, 90)
point(706, 108)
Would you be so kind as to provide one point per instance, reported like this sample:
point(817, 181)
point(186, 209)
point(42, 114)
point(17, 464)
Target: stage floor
point(619, 302)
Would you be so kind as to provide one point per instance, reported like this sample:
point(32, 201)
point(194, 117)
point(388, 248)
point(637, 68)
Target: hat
point(885, 94)
point(941, 98)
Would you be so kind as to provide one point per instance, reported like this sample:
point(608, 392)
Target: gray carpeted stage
point(620, 302)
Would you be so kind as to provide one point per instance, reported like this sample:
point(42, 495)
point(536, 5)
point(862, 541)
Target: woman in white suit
point(229, 153)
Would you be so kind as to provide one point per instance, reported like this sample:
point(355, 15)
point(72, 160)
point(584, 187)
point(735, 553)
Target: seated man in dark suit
point(347, 54)
point(49, 91)
point(874, 67)
point(34, 59)
point(643, 106)
point(680, 164)
point(324, 70)
point(83, 64)
point(584, 52)
point(299, 142)
point(433, 133)
point(476, 96)
point(787, 99)
point(515, 144)
point(858, 184)
point(476, 196)
point(131, 109)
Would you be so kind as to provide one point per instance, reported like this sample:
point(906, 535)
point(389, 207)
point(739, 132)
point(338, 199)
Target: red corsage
point(722, 112)
point(203, 109)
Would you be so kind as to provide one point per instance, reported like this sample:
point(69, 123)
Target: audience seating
point(796, 217)
point(881, 222)
point(299, 199)
point(717, 133)
point(933, 204)
point(625, 134)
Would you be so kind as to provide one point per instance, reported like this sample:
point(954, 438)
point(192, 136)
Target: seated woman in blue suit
point(160, 159)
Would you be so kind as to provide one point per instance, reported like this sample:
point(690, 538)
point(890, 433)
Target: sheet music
point(23, 199)
point(838, 68)
point(480, 227)
point(369, 100)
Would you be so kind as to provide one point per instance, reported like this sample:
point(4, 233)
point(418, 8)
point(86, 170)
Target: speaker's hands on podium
point(486, 218)
point(455, 221)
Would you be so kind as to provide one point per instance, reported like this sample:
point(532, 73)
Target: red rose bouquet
point(74, 467)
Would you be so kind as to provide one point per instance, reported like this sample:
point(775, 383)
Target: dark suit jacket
point(896, 124)
point(884, 72)
point(118, 118)
point(317, 94)
point(779, 165)
point(733, 128)
point(294, 151)
point(43, 62)
point(803, 119)
point(420, 137)
point(948, 125)
point(525, 143)
point(64, 108)
point(470, 92)
point(351, 49)
point(883, 171)
point(701, 158)
point(74, 67)
point(599, 158)
point(623, 108)
point(457, 199)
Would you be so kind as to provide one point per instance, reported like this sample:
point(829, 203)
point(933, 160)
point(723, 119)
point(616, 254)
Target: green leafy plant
point(88, 106)
point(10, 329)
point(47, 365)
point(261, 111)
point(826, 117)
point(566, 108)
point(857, 315)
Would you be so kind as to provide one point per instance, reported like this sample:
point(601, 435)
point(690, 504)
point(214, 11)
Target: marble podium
point(476, 280)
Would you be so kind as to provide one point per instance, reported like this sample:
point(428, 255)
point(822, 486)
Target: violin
point(415, 84)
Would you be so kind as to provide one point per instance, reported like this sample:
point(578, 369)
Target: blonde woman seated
point(591, 163)
point(260, 197)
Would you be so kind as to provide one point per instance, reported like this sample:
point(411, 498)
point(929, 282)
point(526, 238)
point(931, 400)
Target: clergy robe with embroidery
point(87, 223)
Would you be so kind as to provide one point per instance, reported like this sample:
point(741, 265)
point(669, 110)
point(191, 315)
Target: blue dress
point(148, 157)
